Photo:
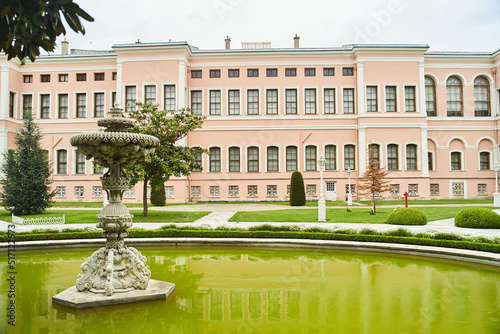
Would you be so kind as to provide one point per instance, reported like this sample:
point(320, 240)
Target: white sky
point(445, 25)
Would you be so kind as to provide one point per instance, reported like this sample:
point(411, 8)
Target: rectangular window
point(253, 73)
point(113, 99)
point(169, 95)
point(484, 160)
point(114, 76)
point(330, 157)
point(347, 71)
point(214, 73)
point(198, 160)
point(79, 163)
point(328, 71)
point(311, 158)
point(130, 97)
point(290, 72)
point(410, 105)
point(457, 188)
point(456, 161)
point(413, 189)
point(234, 191)
point(215, 101)
point(310, 72)
point(27, 105)
point(45, 78)
point(353, 189)
point(253, 102)
point(329, 101)
point(81, 77)
point(272, 159)
point(252, 191)
point(390, 99)
point(348, 97)
point(196, 74)
point(99, 76)
point(79, 191)
point(62, 162)
point(291, 101)
point(253, 159)
point(196, 102)
point(291, 158)
point(349, 157)
point(272, 72)
point(28, 78)
point(434, 189)
point(97, 191)
point(61, 192)
point(81, 105)
point(195, 191)
point(233, 73)
point(234, 159)
point(215, 159)
point(12, 99)
point(272, 191)
point(481, 189)
point(392, 157)
point(394, 190)
point(371, 98)
point(169, 192)
point(150, 94)
point(311, 190)
point(272, 101)
point(63, 78)
point(62, 111)
point(430, 161)
point(310, 100)
point(45, 106)
point(234, 101)
point(411, 157)
point(98, 104)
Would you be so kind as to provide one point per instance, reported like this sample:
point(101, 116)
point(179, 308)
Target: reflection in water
point(250, 290)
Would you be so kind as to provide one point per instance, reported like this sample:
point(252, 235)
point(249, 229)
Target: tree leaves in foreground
point(26, 182)
point(170, 158)
point(28, 25)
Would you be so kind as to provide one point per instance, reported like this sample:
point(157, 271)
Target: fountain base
point(156, 290)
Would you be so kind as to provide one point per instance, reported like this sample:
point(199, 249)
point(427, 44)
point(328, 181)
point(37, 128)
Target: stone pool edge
point(492, 259)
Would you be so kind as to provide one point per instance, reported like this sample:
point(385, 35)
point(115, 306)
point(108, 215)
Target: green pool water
point(265, 290)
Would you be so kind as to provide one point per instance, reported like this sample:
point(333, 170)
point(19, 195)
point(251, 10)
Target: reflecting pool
point(265, 290)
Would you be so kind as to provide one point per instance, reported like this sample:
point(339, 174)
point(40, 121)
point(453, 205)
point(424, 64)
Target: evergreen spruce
point(26, 173)
point(297, 190)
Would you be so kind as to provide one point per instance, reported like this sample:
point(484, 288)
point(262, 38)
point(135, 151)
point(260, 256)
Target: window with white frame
point(195, 191)
point(411, 157)
point(252, 191)
point(430, 96)
point(45, 106)
point(454, 97)
point(481, 97)
point(130, 97)
point(27, 105)
point(390, 99)
point(272, 190)
point(272, 101)
point(150, 94)
point(481, 189)
point(291, 101)
point(62, 162)
point(129, 193)
point(234, 159)
point(371, 98)
point(253, 159)
point(349, 157)
point(81, 105)
point(311, 190)
point(434, 189)
point(291, 158)
point(392, 157)
point(413, 189)
point(79, 162)
point(394, 191)
point(234, 191)
point(329, 101)
point(234, 101)
point(430, 160)
point(169, 192)
point(456, 160)
point(79, 191)
point(310, 100)
point(311, 158)
point(169, 97)
point(199, 161)
point(253, 102)
point(484, 160)
point(97, 191)
point(348, 100)
point(410, 99)
point(215, 159)
point(215, 102)
point(61, 191)
point(458, 188)
point(62, 108)
point(196, 102)
point(98, 104)
point(330, 157)
point(272, 159)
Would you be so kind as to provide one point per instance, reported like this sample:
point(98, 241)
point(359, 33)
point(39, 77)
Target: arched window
point(481, 97)
point(272, 159)
point(215, 159)
point(392, 157)
point(430, 96)
point(234, 159)
point(253, 159)
point(291, 158)
point(411, 157)
point(454, 97)
point(311, 158)
point(349, 157)
point(330, 157)
point(62, 162)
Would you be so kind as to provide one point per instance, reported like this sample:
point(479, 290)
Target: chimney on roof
point(64, 47)
point(296, 41)
point(228, 43)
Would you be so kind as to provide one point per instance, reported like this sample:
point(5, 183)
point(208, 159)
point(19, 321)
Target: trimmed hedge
point(407, 216)
point(396, 237)
point(297, 190)
point(477, 218)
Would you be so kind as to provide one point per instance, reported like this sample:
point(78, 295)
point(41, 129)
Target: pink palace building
point(431, 117)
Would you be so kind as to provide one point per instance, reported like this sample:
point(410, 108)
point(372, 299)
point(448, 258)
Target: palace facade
point(432, 118)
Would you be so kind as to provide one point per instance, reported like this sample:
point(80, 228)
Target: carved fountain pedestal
point(114, 274)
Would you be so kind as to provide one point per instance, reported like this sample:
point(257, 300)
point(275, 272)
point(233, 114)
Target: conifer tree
point(297, 190)
point(26, 173)
point(372, 181)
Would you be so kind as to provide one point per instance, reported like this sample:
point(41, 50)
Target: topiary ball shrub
point(297, 190)
point(477, 218)
point(407, 216)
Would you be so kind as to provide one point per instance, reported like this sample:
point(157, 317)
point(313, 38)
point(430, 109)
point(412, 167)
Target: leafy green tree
point(28, 25)
point(170, 158)
point(26, 182)
point(297, 190)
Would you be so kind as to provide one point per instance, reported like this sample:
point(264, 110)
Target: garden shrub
point(477, 218)
point(157, 193)
point(297, 190)
point(407, 216)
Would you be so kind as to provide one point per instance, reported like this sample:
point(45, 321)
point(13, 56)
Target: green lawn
point(89, 216)
point(357, 215)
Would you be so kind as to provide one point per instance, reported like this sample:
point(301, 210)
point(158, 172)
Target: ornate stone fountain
point(115, 268)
